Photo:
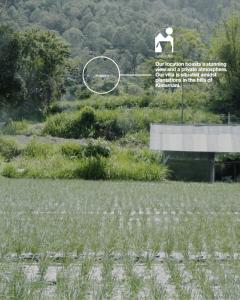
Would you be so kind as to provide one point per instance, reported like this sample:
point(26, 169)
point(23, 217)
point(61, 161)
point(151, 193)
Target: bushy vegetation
point(93, 148)
point(93, 168)
point(72, 150)
point(98, 148)
point(194, 98)
point(35, 149)
point(15, 127)
point(92, 160)
point(113, 124)
point(8, 148)
point(225, 97)
point(33, 67)
point(129, 164)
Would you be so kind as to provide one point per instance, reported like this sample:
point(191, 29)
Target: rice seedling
point(131, 240)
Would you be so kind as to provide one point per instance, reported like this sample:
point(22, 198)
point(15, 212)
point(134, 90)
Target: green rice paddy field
point(119, 240)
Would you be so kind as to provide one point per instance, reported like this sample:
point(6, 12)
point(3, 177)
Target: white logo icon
point(160, 38)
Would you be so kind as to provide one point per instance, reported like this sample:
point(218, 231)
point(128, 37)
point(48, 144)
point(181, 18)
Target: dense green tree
point(43, 60)
point(54, 21)
point(226, 48)
point(32, 70)
point(11, 84)
point(189, 44)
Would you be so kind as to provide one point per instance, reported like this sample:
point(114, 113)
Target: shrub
point(15, 127)
point(127, 121)
point(10, 172)
point(84, 124)
point(60, 125)
point(8, 148)
point(145, 101)
point(127, 164)
point(36, 149)
point(92, 161)
point(146, 155)
point(83, 93)
point(88, 116)
point(54, 108)
point(142, 171)
point(97, 149)
point(139, 138)
point(107, 124)
point(72, 125)
point(54, 166)
point(92, 168)
point(72, 150)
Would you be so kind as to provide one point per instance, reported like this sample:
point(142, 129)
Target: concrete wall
point(190, 166)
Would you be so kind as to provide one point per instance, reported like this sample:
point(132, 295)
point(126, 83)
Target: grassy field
point(63, 239)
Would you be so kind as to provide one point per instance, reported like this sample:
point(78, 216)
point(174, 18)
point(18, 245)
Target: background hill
point(123, 29)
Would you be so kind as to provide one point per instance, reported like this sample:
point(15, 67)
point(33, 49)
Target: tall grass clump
point(94, 148)
point(127, 164)
point(97, 148)
point(72, 150)
point(72, 125)
point(60, 125)
point(139, 138)
point(36, 149)
point(8, 148)
point(10, 171)
point(15, 127)
point(92, 168)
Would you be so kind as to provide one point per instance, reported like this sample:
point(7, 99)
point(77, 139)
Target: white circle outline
point(119, 75)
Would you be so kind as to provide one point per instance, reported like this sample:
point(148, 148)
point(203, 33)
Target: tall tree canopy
point(226, 48)
point(32, 66)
